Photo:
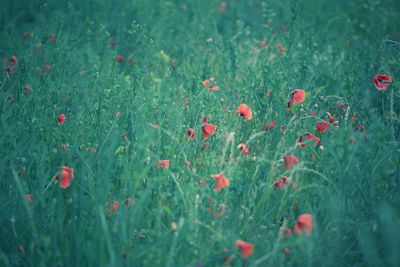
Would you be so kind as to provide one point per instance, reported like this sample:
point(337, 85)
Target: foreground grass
point(124, 117)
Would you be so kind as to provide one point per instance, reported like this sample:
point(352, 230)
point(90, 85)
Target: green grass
point(333, 49)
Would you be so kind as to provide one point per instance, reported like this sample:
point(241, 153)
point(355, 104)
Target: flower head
point(244, 149)
point(245, 248)
point(322, 126)
point(245, 111)
point(289, 161)
point(304, 224)
point(61, 118)
point(66, 175)
point(298, 96)
point(190, 133)
point(163, 164)
point(220, 181)
point(381, 81)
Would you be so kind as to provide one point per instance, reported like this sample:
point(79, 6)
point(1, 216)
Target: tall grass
point(123, 117)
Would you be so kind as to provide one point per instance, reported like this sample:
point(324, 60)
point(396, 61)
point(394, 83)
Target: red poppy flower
point(281, 49)
point(213, 88)
point(163, 164)
point(244, 149)
point(222, 7)
point(190, 133)
point(66, 176)
point(322, 126)
point(312, 137)
point(244, 111)
point(304, 224)
point(26, 88)
point(331, 118)
point(29, 198)
point(263, 43)
point(208, 129)
point(14, 60)
point(61, 118)
point(269, 126)
point(220, 181)
point(286, 232)
point(52, 38)
point(115, 206)
point(120, 58)
point(206, 83)
point(300, 143)
point(298, 96)
point(381, 81)
point(10, 70)
point(280, 182)
point(289, 161)
point(245, 248)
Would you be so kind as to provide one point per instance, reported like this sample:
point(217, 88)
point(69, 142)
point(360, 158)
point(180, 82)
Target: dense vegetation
point(122, 143)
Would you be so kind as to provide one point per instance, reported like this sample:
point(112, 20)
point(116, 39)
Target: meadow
point(199, 133)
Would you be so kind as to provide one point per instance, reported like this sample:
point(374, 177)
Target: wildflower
point(331, 118)
point(13, 60)
point(10, 70)
point(163, 164)
point(61, 118)
point(29, 198)
point(300, 142)
point(222, 7)
point(322, 126)
point(304, 224)
point(381, 81)
point(263, 43)
point(298, 96)
point(289, 161)
point(206, 83)
point(269, 126)
point(244, 149)
point(52, 38)
point(312, 137)
point(220, 181)
point(213, 88)
point(246, 248)
point(281, 49)
point(286, 232)
point(244, 111)
point(208, 129)
point(190, 133)
point(120, 58)
point(220, 211)
point(26, 88)
point(66, 175)
point(115, 206)
point(280, 182)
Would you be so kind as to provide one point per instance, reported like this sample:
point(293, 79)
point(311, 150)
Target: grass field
point(124, 142)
